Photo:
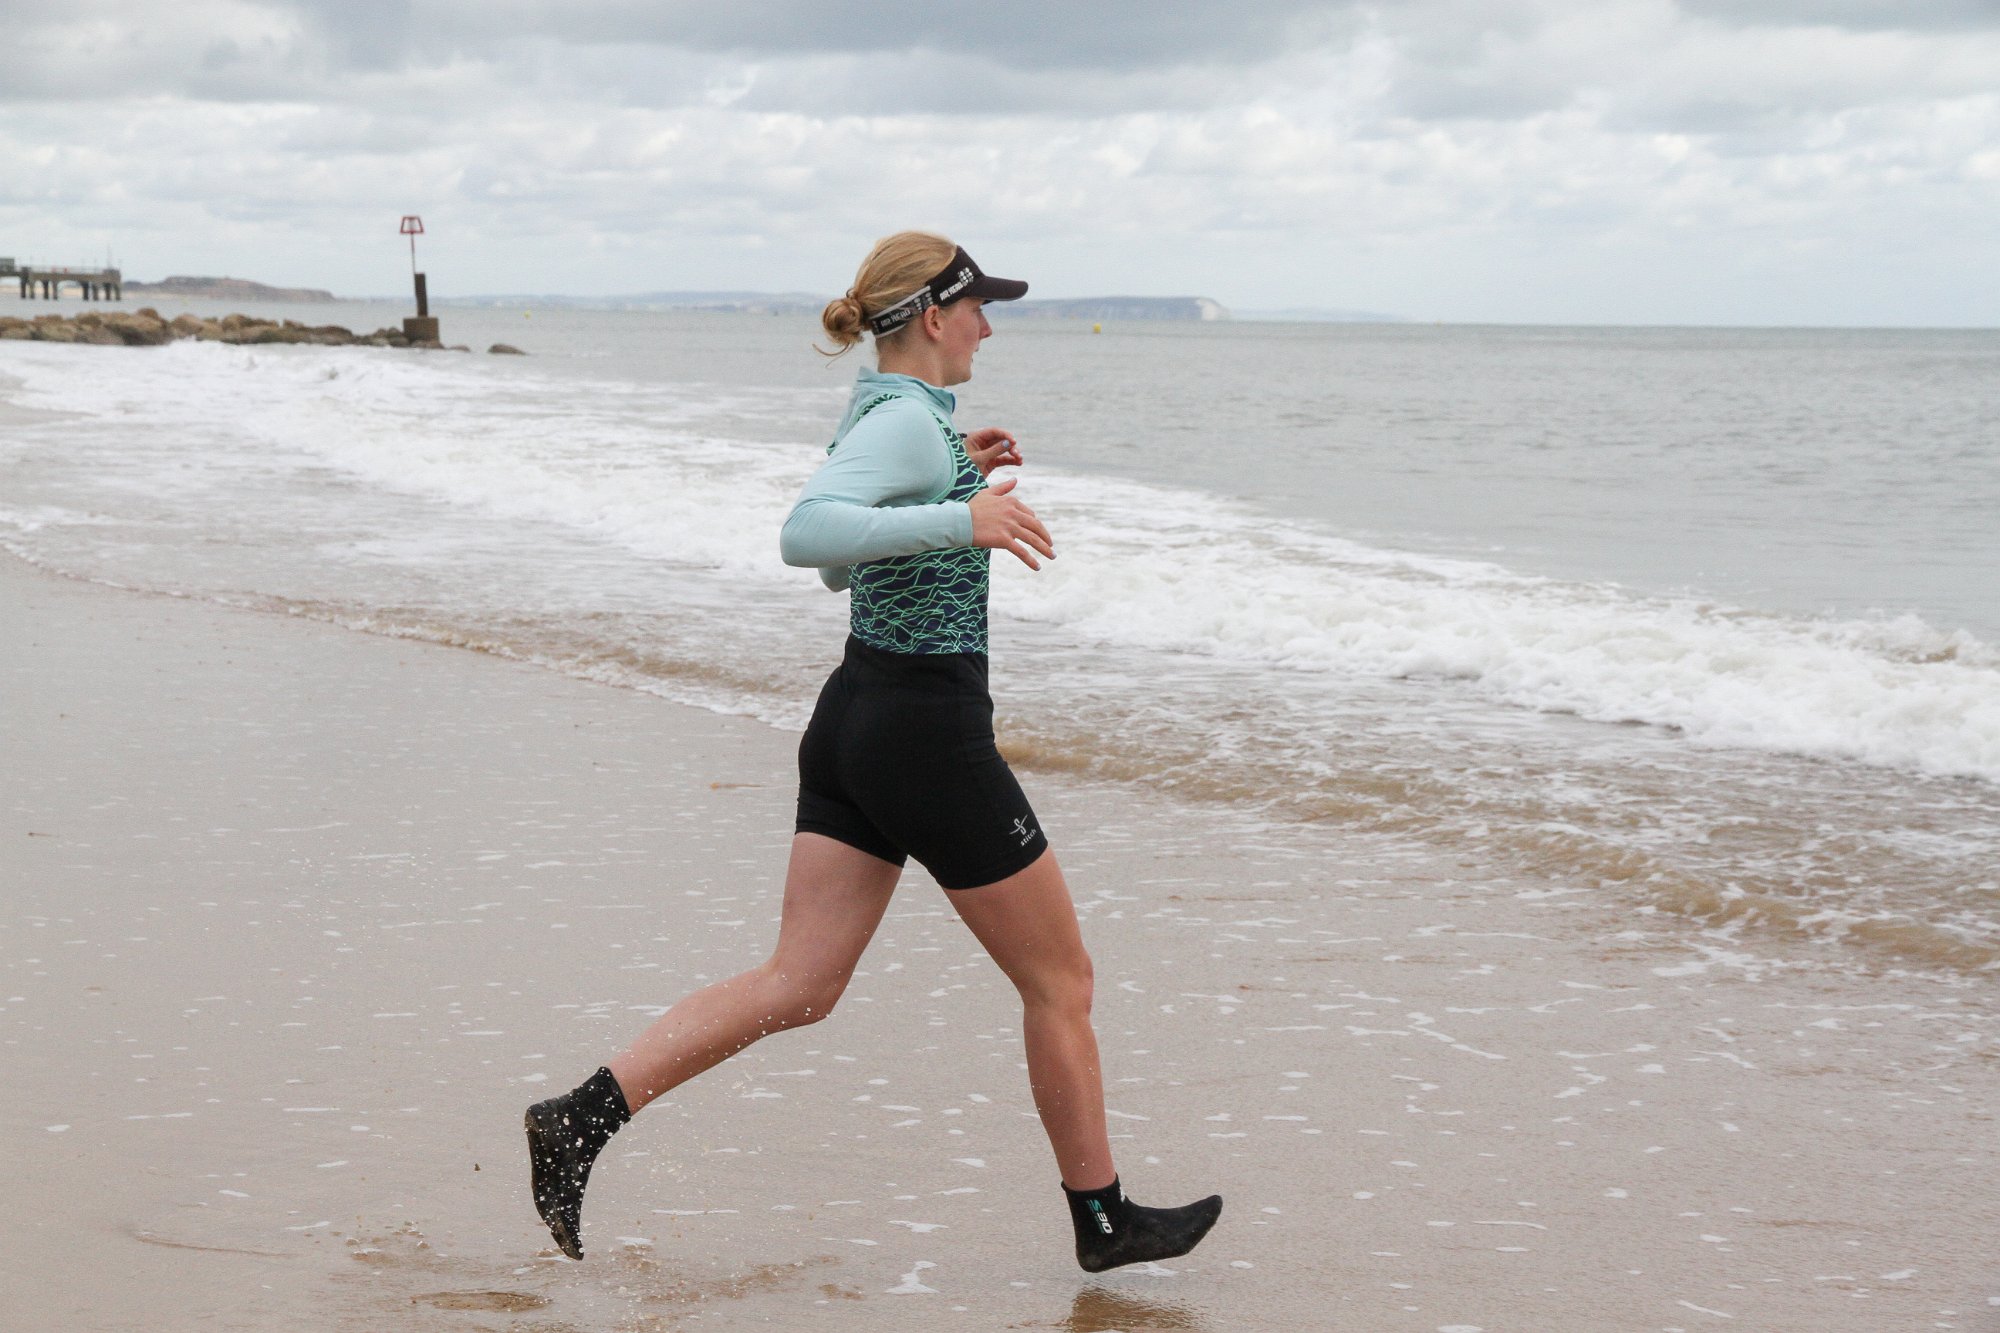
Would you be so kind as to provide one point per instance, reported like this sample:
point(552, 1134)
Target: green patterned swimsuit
point(888, 517)
point(933, 601)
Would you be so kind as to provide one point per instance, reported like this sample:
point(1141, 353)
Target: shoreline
point(303, 912)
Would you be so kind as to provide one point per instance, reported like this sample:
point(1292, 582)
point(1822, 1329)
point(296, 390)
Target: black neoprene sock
point(1112, 1231)
point(565, 1134)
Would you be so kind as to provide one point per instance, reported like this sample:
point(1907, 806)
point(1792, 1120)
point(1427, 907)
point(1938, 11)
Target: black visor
point(961, 278)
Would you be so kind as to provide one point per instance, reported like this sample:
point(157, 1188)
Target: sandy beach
point(296, 920)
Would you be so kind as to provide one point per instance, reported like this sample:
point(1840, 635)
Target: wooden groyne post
point(422, 327)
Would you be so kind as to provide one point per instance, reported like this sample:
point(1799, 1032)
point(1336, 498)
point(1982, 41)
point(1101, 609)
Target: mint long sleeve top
point(882, 490)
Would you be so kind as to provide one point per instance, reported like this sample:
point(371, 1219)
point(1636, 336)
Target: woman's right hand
point(1002, 523)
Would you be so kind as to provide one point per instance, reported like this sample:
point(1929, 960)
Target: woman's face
point(963, 328)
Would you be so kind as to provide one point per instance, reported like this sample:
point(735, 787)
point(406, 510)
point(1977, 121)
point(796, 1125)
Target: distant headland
point(808, 303)
point(228, 289)
point(736, 303)
point(1124, 309)
point(1114, 307)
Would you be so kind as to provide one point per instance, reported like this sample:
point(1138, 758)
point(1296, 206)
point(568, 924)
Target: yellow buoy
point(1097, 328)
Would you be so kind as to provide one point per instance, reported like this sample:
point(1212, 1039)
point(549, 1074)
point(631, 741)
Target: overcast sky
point(1622, 161)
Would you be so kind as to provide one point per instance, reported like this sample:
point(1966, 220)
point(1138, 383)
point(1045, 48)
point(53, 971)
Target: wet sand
point(296, 920)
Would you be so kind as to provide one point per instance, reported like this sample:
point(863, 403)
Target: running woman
point(899, 761)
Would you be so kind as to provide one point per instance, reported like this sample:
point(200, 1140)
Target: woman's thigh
point(1027, 924)
point(835, 896)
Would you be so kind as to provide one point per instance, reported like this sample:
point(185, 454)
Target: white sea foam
point(1177, 570)
point(1143, 566)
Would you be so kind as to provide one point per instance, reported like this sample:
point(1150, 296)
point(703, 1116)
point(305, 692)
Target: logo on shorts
point(1021, 827)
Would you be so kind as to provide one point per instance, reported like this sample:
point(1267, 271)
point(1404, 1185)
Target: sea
point(1701, 624)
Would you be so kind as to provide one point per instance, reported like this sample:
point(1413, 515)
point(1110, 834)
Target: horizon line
point(1246, 314)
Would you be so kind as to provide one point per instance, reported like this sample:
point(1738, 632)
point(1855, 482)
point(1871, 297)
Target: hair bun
point(842, 320)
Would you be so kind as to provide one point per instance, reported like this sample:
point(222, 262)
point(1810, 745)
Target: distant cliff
point(739, 303)
point(226, 289)
point(1113, 307)
point(803, 303)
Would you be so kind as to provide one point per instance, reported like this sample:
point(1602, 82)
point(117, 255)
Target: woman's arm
point(876, 496)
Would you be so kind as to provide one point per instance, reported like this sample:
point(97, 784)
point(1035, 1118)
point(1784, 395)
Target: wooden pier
point(95, 284)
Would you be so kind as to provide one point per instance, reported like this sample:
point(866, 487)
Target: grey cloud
point(1859, 15)
point(1448, 60)
point(1060, 34)
point(213, 50)
point(684, 137)
point(374, 53)
point(902, 84)
point(1479, 94)
point(370, 35)
point(246, 50)
point(1485, 59)
point(1642, 67)
point(1453, 59)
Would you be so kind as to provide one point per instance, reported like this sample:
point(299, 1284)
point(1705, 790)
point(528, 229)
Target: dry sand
point(295, 921)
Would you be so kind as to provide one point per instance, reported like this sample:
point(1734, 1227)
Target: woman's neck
point(921, 362)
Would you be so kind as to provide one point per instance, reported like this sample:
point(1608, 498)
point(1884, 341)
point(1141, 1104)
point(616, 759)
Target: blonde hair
point(894, 269)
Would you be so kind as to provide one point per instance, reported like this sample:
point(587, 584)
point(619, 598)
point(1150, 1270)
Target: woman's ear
point(933, 318)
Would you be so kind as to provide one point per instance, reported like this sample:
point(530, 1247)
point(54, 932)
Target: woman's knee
point(796, 1001)
point(1068, 984)
point(1083, 983)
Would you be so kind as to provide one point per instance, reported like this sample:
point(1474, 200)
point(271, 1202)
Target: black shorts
point(899, 761)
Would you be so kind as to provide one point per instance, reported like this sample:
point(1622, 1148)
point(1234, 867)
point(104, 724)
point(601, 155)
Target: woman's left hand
point(992, 447)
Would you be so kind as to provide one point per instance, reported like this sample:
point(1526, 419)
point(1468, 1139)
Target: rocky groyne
point(146, 327)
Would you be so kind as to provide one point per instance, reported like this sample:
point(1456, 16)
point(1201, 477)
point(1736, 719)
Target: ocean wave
point(1172, 569)
point(1143, 566)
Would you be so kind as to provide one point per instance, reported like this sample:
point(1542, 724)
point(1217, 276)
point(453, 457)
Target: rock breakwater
point(146, 327)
